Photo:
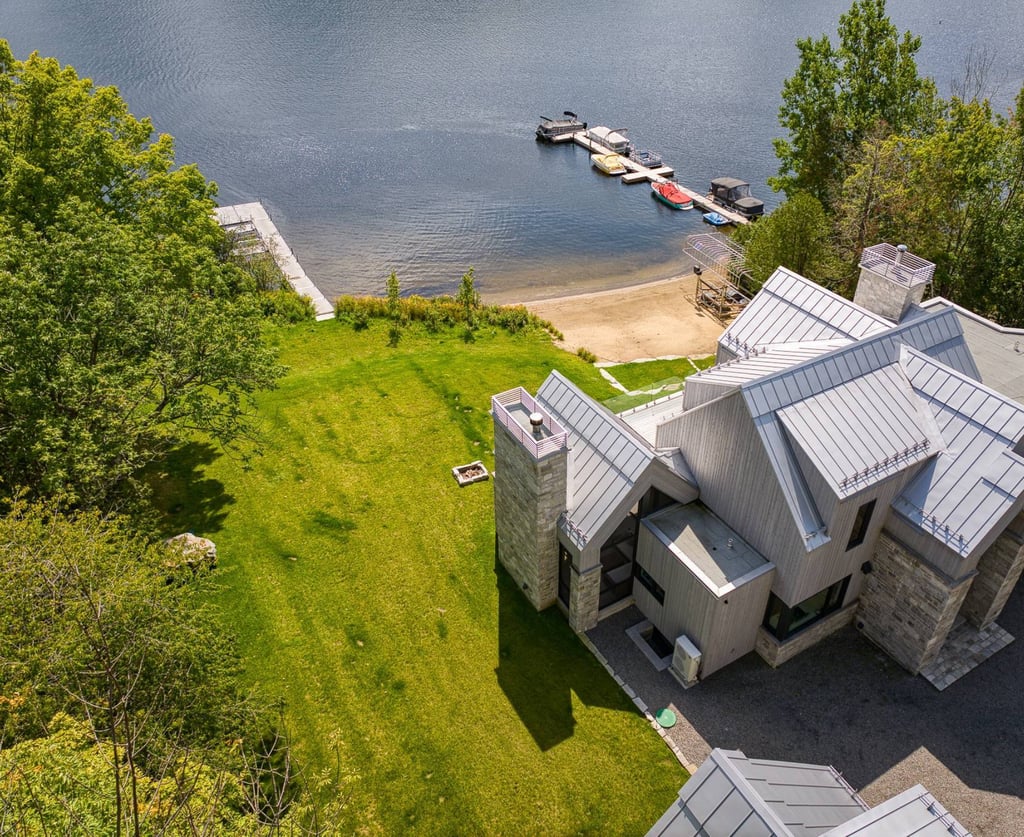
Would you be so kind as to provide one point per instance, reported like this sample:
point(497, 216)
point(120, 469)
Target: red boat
point(670, 194)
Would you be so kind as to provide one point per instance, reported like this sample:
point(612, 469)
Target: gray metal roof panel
point(997, 350)
point(789, 308)
point(607, 457)
point(791, 481)
point(863, 431)
point(965, 491)
point(913, 813)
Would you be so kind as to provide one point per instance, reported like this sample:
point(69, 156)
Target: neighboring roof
point(607, 459)
point(863, 431)
point(792, 309)
point(712, 552)
point(733, 795)
point(997, 350)
point(913, 813)
point(960, 495)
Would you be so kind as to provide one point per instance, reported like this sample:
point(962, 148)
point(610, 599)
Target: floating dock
point(253, 220)
point(637, 173)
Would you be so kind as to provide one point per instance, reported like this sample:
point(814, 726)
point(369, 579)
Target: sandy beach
point(657, 319)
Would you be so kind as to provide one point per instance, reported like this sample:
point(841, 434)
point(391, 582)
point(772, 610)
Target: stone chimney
point(891, 278)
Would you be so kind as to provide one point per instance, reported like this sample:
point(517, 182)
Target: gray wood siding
point(723, 629)
point(736, 480)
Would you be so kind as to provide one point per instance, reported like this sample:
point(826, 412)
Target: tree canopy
point(889, 160)
point(840, 94)
point(124, 324)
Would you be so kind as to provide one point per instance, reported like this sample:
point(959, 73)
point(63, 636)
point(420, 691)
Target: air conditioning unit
point(685, 661)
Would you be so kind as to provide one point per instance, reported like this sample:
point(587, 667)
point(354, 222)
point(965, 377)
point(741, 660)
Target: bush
point(586, 354)
point(437, 313)
point(287, 306)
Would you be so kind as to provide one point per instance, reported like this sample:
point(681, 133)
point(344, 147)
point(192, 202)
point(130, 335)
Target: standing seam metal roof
point(768, 396)
point(790, 309)
point(731, 795)
point(965, 491)
point(863, 431)
point(606, 458)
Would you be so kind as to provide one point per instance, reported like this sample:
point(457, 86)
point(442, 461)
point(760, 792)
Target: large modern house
point(843, 462)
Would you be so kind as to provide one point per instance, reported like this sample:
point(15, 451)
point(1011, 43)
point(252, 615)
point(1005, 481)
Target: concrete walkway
point(257, 215)
point(846, 703)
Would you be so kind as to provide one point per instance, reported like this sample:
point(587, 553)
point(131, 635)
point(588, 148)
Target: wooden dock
point(254, 216)
point(637, 173)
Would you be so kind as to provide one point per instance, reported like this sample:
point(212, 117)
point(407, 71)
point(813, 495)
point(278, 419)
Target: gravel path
point(846, 703)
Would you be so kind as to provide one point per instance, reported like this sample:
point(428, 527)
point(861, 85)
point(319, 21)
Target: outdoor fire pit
point(473, 472)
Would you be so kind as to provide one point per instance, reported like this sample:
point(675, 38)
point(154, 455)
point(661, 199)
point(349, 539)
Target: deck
point(254, 221)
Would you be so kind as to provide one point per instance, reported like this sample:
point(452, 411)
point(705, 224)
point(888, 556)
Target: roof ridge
point(606, 414)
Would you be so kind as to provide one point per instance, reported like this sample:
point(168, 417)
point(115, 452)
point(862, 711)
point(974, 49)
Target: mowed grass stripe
point(362, 585)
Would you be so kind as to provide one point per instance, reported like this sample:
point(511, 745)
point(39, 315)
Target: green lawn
point(650, 374)
point(361, 583)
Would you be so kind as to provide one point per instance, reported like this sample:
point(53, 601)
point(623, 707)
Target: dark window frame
point(648, 582)
point(860, 525)
point(564, 574)
point(784, 622)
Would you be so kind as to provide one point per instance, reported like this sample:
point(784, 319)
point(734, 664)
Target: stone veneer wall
point(584, 599)
point(775, 653)
point(883, 296)
point(906, 607)
point(529, 495)
point(998, 571)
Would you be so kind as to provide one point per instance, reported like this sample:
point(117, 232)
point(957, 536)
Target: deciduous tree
point(124, 326)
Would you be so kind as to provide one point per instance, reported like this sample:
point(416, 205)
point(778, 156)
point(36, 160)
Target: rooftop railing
point(898, 264)
point(557, 438)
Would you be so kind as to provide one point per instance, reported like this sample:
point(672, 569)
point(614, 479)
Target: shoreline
point(649, 320)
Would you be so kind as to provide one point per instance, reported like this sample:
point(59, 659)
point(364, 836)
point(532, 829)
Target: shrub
point(287, 306)
point(586, 354)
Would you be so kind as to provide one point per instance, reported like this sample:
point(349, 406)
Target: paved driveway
point(845, 703)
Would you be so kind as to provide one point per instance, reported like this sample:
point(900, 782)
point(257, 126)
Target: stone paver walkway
point(964, 650)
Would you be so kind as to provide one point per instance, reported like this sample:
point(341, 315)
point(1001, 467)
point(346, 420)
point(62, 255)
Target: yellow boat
point(608, 163)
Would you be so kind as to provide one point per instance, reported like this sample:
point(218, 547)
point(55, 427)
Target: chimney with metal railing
point(891, 280)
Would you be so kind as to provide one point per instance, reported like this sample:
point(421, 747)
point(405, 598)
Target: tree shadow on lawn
point(541, 663)
point(186, 498)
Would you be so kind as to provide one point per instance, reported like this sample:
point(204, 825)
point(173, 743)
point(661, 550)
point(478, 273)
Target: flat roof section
point(719, 557)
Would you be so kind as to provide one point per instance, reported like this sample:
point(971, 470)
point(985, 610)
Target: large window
point(783, 621)
point(860, 524)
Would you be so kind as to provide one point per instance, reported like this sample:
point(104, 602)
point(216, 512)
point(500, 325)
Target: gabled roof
point(792, 309)
point(767, 399)
point(731, 794)
point(608, 458)
point(863, 431)
point(966, 490)
point(913, 813)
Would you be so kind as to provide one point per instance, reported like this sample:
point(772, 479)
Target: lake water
point(399, 136)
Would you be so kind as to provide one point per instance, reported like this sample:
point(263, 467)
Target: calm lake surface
point(399, 136)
